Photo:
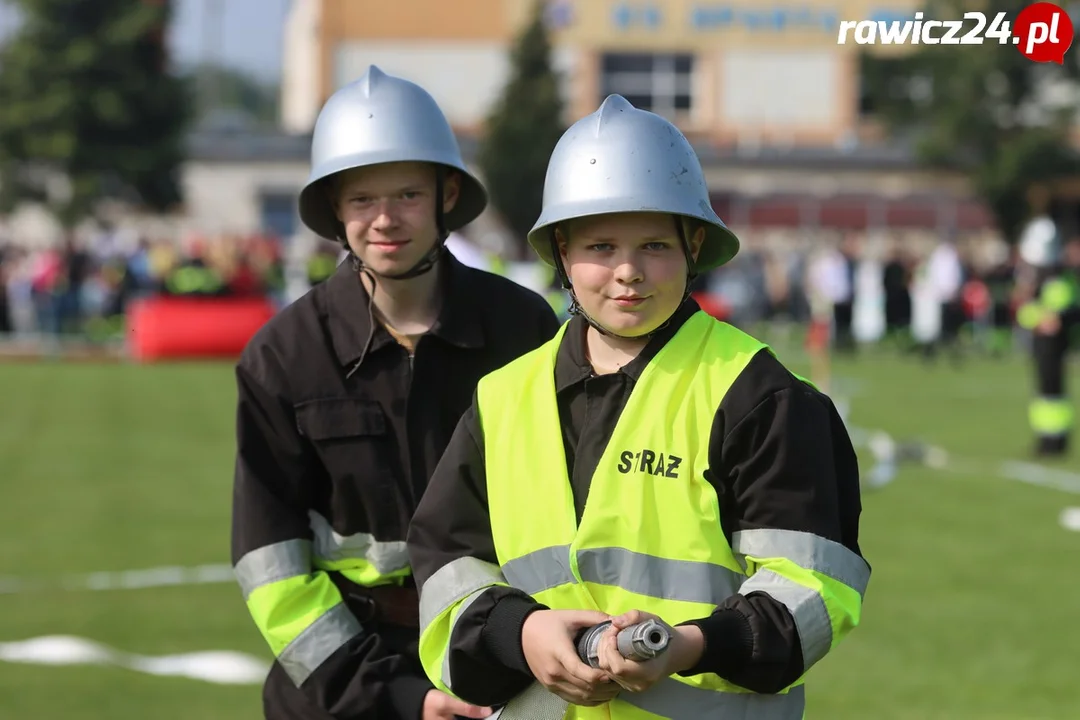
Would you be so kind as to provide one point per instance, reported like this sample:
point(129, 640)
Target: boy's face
point(389, 212)
point(628, 270)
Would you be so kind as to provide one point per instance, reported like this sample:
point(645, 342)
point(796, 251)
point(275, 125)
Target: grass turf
point(114, 467)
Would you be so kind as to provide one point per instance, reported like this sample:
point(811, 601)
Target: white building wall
point(300, 67)
point(227, 197)
point(775, 89)
point(464, 77)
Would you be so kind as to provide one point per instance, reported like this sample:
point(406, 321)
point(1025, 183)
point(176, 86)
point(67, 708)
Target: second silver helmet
point(378, 119)
point(623, 159)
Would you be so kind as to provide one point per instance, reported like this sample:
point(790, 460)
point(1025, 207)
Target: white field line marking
point(890, 454)
point(124, 579)
point(1070, 519)
point(222, 667)
point(1034, 474)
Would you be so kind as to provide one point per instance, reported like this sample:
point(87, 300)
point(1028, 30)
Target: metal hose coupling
point(640, 642)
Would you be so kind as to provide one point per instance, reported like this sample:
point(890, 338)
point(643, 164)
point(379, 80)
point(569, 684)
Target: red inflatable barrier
point(167, 328)
point(712, 304)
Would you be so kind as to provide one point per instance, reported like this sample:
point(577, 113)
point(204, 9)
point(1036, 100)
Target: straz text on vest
point(649, 462)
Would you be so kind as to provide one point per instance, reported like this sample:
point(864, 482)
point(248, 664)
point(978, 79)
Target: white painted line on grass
point(889, 455)
point(156, 577)
point(222, 667)
point(1041, 475)
point(124, 579)
point(1070, 519)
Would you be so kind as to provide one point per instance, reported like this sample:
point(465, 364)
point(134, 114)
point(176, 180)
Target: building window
point(659, 82)
point(278, 213)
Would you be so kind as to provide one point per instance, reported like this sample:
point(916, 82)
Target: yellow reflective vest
point(650, 538)
point(1051, 416)
point(1056, 295)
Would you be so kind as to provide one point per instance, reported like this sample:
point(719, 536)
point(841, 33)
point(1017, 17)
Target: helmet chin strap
point(576, 309)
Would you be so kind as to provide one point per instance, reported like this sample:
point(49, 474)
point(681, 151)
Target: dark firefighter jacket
point(779, 456)
point(329, 470)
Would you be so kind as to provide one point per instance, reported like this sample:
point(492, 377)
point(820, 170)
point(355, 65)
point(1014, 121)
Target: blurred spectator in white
point(20, 292)
point(827, 283)
point(868, 313)
point(467, 252)
point(831, 287)
point(944, 279)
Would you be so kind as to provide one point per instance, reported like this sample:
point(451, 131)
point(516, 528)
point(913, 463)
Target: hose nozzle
point(640, 642)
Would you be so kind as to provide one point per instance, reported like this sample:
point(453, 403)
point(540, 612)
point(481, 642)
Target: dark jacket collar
point(572, 363)
point(348, 316)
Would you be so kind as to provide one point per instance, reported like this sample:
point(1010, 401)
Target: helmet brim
point(719, 246)
point(317, 212)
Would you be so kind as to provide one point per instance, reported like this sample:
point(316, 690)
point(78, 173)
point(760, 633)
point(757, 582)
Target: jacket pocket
point(339, 418)
point(354, 443)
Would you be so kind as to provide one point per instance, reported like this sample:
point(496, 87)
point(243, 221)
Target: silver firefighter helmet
point(623, 159)
point(378, 119)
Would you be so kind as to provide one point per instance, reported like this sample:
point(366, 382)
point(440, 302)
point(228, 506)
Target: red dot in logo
point(1044, 31)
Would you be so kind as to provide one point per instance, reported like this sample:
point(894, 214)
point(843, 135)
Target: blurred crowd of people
point(87, 283)
point(843, 294)
point(943, 297)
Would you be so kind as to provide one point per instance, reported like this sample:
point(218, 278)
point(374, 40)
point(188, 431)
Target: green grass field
point(971, 611)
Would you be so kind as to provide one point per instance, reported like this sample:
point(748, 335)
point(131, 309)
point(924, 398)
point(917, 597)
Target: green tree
point(521, 132)
point(88, 97)
point(985, 110)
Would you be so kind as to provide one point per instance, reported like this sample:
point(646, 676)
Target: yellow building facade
point(764, 89)
point(744, 71)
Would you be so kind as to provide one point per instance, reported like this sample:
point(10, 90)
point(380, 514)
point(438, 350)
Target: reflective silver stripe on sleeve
point(540, 570)
point(386, 557)
point(272, 563)
point(453, 581)
point(807, 551)
point(807, 607)
point(320, 640)
point(658, 577)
